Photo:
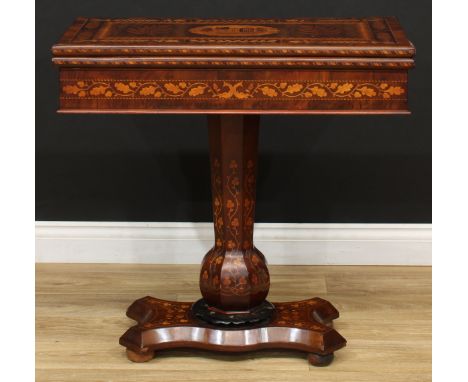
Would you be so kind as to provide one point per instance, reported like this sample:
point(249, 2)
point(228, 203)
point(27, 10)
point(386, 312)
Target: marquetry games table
point(234, 71)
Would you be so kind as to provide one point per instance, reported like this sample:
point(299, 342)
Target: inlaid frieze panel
point(290, 91)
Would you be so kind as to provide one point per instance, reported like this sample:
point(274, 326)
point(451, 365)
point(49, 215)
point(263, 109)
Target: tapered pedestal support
point(234, 277)
point(234, 315)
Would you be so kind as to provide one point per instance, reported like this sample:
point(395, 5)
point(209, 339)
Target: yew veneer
point(234, 71)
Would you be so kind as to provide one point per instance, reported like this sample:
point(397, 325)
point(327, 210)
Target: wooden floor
point(80, 315)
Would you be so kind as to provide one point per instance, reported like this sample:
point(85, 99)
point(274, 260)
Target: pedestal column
point(234, 276)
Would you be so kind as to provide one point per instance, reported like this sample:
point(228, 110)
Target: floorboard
point(80, 315)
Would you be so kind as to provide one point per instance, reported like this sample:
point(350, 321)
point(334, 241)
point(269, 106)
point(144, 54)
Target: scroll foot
point(139, 357)
point(320, 360)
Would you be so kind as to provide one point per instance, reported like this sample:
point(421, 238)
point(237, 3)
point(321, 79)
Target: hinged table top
point(305, 37)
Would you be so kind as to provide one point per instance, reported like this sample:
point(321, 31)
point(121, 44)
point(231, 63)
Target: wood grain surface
point(385, 316)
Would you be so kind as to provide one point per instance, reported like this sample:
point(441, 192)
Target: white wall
point(186, 243)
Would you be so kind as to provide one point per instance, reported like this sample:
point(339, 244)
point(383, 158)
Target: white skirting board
point(281, 243)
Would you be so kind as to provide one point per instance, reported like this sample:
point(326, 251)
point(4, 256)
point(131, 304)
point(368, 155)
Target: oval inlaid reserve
point(233, 30)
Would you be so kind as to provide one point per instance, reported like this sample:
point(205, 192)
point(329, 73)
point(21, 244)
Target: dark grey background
point(358, 169)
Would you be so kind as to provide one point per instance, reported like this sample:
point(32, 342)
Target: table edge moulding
point(234, 70)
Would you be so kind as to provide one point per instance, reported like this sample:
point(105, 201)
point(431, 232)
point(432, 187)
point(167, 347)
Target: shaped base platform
point(302, 325)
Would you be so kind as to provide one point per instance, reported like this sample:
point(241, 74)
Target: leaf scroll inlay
point(239, 90)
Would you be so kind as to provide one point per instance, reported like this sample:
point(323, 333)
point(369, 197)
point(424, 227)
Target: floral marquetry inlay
point(217, 203)
point(236, 90)
point(232, 208)
point(230, 230)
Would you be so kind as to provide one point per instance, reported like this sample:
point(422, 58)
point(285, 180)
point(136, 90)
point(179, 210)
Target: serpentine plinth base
point(300, 325)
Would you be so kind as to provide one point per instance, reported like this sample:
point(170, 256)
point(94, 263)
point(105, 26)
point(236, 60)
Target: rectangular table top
point(308, 37)
point(307, 65)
